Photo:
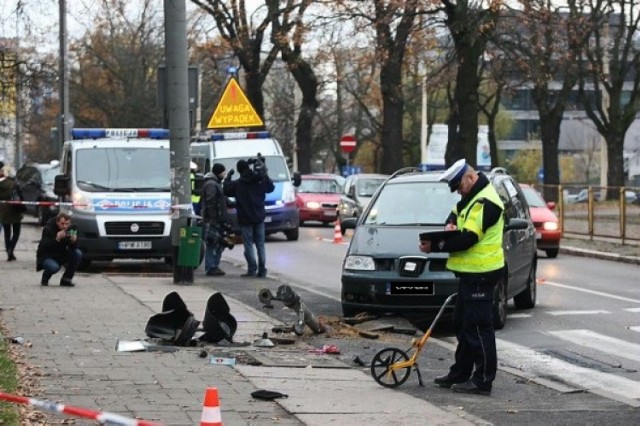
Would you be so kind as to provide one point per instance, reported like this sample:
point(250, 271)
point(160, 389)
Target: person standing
point(214, 216)
point(10, 215)
point(195, 198)
point(477, 259)
point(249, 191)
point(57, 248)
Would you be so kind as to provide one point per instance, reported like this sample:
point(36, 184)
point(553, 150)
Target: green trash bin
point(189, 246)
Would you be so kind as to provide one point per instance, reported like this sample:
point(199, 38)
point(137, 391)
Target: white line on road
point(633, 310)
point(536, 365)
point(597, 293)
point(635, 328)
point(518, 316)
point(600, 342)
point(558, 313)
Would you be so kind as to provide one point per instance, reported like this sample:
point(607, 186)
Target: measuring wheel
point(381, 369)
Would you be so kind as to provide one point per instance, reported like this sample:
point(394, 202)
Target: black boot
point(10, 255)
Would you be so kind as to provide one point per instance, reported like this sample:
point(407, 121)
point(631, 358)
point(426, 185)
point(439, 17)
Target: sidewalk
point(70, 336)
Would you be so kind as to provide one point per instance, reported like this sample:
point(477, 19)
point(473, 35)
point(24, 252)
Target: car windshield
point(412, 203)
point(534, 199)
point(367, 187)
point(123, 169)
point(319, 186)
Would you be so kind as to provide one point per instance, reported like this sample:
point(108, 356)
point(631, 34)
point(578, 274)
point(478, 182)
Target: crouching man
point(57, 248)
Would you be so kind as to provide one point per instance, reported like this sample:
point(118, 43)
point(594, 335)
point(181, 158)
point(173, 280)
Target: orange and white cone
point(337, 234)
point(211, 415)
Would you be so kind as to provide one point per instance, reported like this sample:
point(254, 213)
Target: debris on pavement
point(292, 300)
point(326, 349)
point(217, 360)
point(267, 395)
point(264, 342)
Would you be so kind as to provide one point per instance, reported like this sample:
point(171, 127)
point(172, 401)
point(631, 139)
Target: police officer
point(477, 259)
point(195, 199)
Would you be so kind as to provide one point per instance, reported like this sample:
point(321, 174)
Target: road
point(581, 344)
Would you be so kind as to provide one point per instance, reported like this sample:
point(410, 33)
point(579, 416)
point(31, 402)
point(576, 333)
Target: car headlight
point(359, 263)
point(313, 205)
point(82, 202)
point(550, 226)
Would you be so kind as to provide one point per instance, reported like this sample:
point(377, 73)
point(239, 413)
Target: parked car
point(36, 182)
point(583, 196)
point(385, 272)
point(318, 196)
point(545, 221)
point(356, 194)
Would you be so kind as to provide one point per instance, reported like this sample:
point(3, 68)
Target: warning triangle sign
point(234, 109)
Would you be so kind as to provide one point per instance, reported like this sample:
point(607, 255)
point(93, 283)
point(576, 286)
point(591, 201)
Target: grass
point(8, 383)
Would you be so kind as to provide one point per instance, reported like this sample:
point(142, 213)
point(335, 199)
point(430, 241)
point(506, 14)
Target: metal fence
point(596, 212)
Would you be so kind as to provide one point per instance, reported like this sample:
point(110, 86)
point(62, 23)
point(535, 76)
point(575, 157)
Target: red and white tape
point(99, 416)
point(101, 205)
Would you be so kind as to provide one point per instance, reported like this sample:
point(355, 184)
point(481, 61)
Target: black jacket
point(49, 248)
point(249, 190)
point(213, 202)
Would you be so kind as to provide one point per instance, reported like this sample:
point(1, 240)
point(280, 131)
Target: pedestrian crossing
point(589, 339)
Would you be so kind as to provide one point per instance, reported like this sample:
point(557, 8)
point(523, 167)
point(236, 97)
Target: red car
point(318, 196)
point(545, 221)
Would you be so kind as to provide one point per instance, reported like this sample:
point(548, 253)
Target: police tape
point(101, 205)
point(101, 417)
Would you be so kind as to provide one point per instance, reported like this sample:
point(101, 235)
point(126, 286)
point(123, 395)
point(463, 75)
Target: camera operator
point(57, 247)
point(249, 191)
point(214, 216)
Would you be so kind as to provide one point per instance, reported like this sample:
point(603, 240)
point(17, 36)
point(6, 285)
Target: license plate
point(410, 289)
point(538, 235)
point(134, 245)
point(330, 213)
point(267, 219)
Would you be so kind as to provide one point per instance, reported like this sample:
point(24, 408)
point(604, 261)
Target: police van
point(116, 184)
point(282, 214)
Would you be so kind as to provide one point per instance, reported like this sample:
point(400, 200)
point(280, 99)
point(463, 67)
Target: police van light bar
point(119, 133)
point(239, 135)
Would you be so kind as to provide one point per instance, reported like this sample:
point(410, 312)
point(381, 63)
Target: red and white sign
point(348, 143)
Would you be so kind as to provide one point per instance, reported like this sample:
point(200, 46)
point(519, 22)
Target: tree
point(245, 39)
point(471, 27)
point(545, 52)
point(288, 35)
point(610, 72)
point(113, 80)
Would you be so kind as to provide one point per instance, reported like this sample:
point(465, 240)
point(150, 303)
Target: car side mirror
point(551, 205)
point(61, 185)
point(297, 179)
point(514, 224)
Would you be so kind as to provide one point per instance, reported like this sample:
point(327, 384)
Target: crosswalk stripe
point(635, 328)
point(558, 313)
point(535, 365)
point(634, 310)
point(600, 342)
point(594, 292)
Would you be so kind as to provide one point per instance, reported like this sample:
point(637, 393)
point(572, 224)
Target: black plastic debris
point(267, 395)
point(218, 323)
point(175, 323)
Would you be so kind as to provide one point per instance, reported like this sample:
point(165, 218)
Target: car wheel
point(292, 234)
point(348, 312)
point(526, 299)
point(552, 253)
point(500, 303)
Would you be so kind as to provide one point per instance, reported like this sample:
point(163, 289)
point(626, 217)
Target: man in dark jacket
point(249, 191)
point(57, 248)
point(214, 216)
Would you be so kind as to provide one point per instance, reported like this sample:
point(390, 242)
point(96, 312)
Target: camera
point(72, 231)
point(258, 164)
point(227, 237)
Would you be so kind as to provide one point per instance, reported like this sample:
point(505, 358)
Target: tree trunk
point(253, 90)
point(550, 133)
point(308, 84)
point(393, 105)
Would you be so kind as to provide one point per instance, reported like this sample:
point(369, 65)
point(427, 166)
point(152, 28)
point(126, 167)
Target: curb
point(600, 255)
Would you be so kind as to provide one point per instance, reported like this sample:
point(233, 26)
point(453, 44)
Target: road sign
point(348, 143)
point(234, 109)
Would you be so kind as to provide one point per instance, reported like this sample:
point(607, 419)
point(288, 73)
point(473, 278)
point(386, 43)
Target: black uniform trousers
point(473, 322)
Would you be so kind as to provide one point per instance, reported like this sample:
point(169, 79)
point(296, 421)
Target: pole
point(604, 161)
point(423, 124)
point(175, 29)
point(18, 82)
point(64, 131)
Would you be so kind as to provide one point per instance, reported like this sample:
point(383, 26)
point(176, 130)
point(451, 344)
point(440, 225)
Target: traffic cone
point(211, 415)
point(337, 234)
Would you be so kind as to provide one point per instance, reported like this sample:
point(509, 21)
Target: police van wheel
point(292, 234)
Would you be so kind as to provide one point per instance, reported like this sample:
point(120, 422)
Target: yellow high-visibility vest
point(487, 254)
point(195, 199)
